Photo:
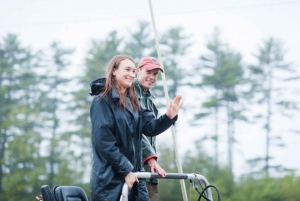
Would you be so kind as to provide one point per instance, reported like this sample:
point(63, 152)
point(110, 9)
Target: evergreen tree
point(221, 70)
point(211, 63)
point(233, 77)
point(266, 78)
point(21, 163)
point(174, 47)
point(100, 54)
point(139, 43)
point(54, 104)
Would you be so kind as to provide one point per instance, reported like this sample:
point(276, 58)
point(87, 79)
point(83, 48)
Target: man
point(147, 72)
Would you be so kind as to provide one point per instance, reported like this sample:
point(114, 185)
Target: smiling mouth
point(149, 82)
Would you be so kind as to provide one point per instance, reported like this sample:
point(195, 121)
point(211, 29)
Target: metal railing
point(148, 175)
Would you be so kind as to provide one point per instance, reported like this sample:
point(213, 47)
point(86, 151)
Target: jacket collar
point(114, 93)
point(140, 91)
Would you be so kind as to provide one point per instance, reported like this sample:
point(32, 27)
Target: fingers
point(156, 168)
point(152, 169)
point(174, 107)
point(180, 104)
point(130, 179)
point(161, 172)
point(38, 198)
point(177, 99)
point(170, 105)
point(129, 184)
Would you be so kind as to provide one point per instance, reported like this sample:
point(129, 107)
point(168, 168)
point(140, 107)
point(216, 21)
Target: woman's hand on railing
point(130, 179)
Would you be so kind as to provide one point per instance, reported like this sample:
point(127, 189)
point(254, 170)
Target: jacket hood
point(97, 86)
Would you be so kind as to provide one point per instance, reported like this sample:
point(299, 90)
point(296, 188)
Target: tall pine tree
point(266, 77)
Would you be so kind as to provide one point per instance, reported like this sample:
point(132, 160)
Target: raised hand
point(174, 107)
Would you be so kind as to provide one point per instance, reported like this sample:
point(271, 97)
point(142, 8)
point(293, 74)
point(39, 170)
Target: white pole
point(183, 189)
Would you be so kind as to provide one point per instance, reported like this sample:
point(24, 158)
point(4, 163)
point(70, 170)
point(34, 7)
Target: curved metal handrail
point(148, 175)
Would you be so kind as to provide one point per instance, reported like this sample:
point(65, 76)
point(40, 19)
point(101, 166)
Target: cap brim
point(151, 67)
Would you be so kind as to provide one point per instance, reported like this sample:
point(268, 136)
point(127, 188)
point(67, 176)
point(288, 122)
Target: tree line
point(45, 127)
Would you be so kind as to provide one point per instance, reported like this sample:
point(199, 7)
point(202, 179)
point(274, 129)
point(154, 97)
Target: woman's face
point(124, 75)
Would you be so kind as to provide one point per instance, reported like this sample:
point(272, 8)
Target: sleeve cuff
point(149, 157)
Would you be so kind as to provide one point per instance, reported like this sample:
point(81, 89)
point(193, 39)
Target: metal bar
point(148, 175)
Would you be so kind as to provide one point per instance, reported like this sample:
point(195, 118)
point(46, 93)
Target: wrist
point(154, 157)
point(169, 116)
point(151, 161)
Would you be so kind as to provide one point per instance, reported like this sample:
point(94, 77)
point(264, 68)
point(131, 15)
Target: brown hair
point(110, 82)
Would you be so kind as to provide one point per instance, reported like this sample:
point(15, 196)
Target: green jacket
point(148, 143)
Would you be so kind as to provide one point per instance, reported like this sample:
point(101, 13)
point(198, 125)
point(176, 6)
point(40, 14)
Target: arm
point(148, 151)
point(153, 126)
point(150, 157)
point(103, 137)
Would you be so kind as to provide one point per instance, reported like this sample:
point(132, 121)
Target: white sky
point(243, 25)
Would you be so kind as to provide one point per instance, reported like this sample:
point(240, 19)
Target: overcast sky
point(243, 25)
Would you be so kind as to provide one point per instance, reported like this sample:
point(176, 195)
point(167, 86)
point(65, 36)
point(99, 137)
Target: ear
point(137, 70)
point(114, 72)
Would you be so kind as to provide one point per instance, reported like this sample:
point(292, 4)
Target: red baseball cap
point(150, 63)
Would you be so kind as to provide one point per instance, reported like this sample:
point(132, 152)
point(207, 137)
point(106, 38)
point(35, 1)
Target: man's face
point(146, 78)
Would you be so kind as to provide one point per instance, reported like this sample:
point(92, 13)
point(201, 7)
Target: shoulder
point(99, 101)
point(102, 106)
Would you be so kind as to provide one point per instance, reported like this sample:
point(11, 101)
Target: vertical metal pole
point(183, 189)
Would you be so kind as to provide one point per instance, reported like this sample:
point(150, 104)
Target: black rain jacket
point(116, 143)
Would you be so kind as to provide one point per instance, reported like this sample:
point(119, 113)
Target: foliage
point(140, 43)
point(44, 115)
point(174, 47)
point(221, 71)
point(19, 129)
point(267, 91)
point(248, 187)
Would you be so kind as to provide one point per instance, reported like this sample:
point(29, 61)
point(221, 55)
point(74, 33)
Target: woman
point(117, 126)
